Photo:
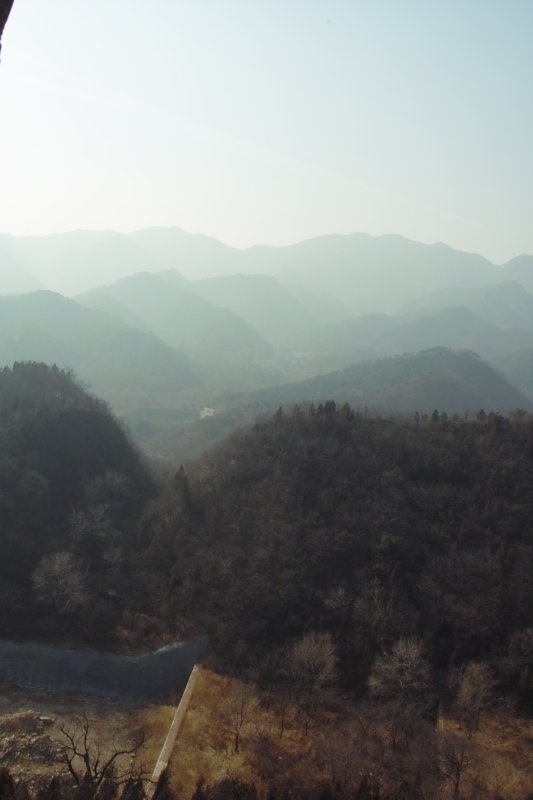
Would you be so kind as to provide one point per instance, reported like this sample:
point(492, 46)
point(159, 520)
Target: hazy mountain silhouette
point(454, 327)
point(196, 255)
point(520, 269)
point(180, 317)
point(343, 343)
point(79, 260)
point(261, 300)
point(323, 306)
point(506, 305)
point(379, 335)
point(123, 365)
point(364, 273)
point(518, 368)
point(176, 279)
point(13, 278)
point(372, 273)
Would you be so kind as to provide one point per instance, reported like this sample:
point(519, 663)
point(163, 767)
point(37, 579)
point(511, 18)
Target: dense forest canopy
point(370, 529)
point(71, 486)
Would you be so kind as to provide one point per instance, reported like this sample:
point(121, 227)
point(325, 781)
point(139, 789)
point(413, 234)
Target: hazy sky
point(269, 121)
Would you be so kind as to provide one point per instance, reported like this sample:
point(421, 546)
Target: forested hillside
point(369, 529)
point(454, 382)
point(362, 569)
point(443, 379)
point(71, 488)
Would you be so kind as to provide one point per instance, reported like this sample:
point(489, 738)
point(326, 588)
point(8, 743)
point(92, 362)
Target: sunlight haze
point(270, 122)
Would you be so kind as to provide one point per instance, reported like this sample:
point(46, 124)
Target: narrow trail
point(172, 735)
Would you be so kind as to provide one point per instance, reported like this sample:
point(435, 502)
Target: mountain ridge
point(120, 362)
point(199, 256)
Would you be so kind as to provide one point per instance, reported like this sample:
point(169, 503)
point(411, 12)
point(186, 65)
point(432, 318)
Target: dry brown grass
point(501, 761)
point(206, 743)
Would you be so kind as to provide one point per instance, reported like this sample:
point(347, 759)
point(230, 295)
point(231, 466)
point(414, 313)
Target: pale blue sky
point(268, 121)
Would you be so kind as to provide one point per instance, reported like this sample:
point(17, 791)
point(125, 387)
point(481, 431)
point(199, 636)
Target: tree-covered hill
point(454, 325)
point(71, 487)
point(451, 381)
point(370, 529)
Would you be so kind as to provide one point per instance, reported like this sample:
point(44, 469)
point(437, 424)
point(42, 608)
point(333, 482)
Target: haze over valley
point(183, 323)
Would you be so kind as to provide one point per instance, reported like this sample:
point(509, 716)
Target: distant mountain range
point(165, 305)
point(13, 277)
point(518, 369)
point(73, 262)
point(164, 323)
point(373, 336)
point(227, 350)
point(263, 301)
point(363, 273)
point(507, 305)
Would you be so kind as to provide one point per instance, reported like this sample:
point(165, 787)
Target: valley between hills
point(319, 458)
point(188, 338)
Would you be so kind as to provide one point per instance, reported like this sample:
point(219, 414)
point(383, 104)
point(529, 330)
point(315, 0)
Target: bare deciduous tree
point(402, 674)
point(476, 684)
point(313, 664)
point(340, 753)
point(60, 582)
point(91, 767)
point(457, 756)
point(240, 704)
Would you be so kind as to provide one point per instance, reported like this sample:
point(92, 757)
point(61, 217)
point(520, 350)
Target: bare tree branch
point(85, 761)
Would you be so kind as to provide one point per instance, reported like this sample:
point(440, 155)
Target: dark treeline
point(372, 530)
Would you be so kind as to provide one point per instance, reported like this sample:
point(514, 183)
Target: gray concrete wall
point(153, 676)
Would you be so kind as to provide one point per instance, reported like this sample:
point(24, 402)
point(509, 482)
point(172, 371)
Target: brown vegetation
point(348, 746)
point(32, 745)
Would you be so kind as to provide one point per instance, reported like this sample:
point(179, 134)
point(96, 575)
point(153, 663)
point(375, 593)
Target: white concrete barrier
point(172, 735)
